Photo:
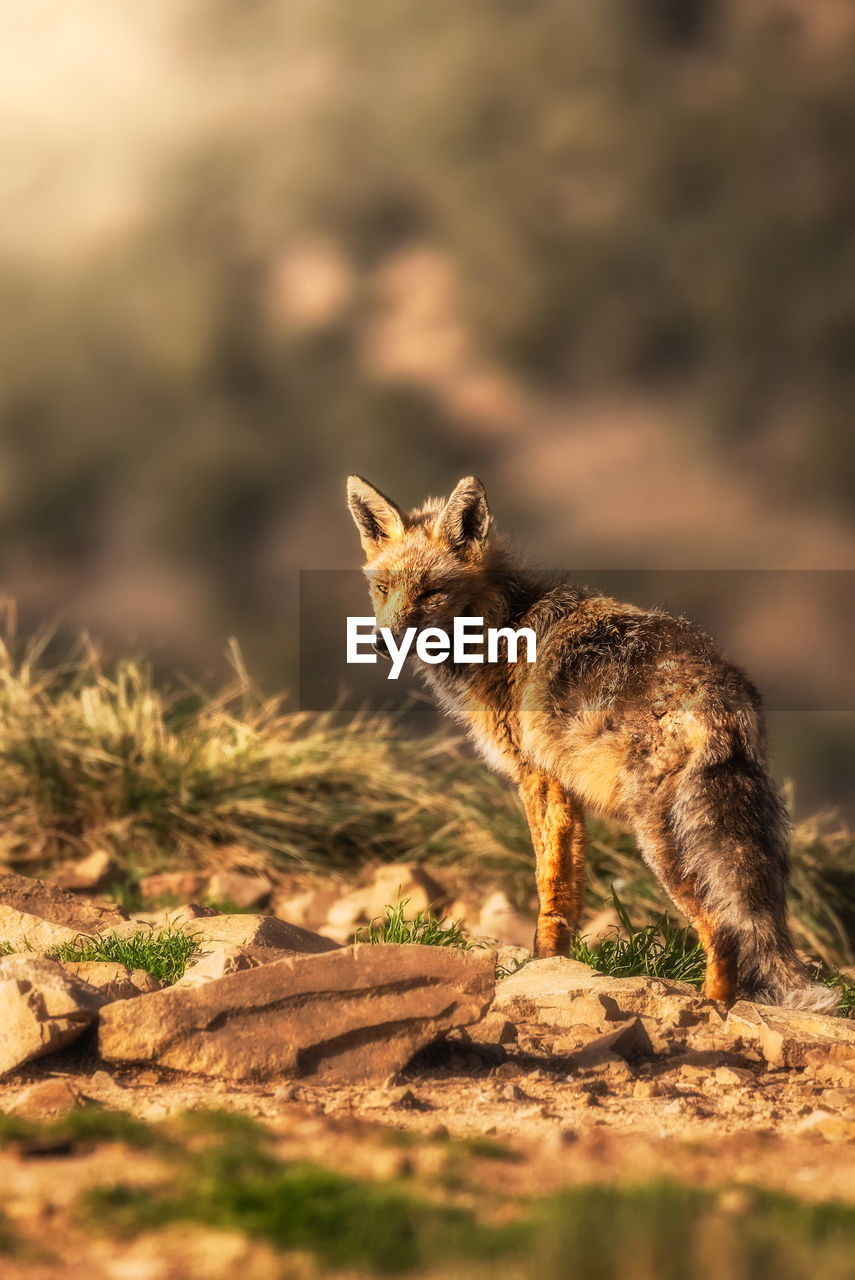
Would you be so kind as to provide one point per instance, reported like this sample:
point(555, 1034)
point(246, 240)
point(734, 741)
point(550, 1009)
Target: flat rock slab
point(790, 1037)
point(356, 1013)
point(42, 1008)
point(562, 994)
point(38, 915)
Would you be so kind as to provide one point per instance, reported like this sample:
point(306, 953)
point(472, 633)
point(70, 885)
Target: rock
point(734, 1075)
point(499, 919)
point(509, 958)
point(240, 888)
point(256, 931)
point(602, 925)
point(833, 1065)
point(783, 1037)
point(308, 909)
point(42, 1008)
point(561, 993)
point(184, 886)
point(649, 1089)
point(628, 1042)
point(225, 960)
point(169, 917)
point(86, 874)
point(36, 915)
point(46, 1100)
point(493, 1029)
point(355, 1013)
point(114, 981)
point(403, 1099)
point(829, 1126)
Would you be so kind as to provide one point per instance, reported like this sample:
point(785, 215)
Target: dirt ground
point(712, 1125)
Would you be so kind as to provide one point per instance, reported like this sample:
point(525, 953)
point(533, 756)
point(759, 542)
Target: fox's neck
point(506, 590)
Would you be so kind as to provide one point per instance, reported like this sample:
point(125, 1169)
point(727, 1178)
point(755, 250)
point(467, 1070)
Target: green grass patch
point(423, 929)
point(164, 953)
point(234, 1182)
point(660, 950)
point(83, 1126)
point(846, 990)
point(223, 1171)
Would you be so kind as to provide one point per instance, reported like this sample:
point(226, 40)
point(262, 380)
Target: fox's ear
point(376, 516)
point(464, 521)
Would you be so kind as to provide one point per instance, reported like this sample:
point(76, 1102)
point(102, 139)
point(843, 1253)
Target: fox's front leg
point(557, 825)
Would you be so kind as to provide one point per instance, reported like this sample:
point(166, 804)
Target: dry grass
point(96, 758)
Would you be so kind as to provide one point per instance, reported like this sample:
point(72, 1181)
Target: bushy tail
point(733, 836)
point(770, 972)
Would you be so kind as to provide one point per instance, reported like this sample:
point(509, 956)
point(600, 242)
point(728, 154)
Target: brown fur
point(629, 712)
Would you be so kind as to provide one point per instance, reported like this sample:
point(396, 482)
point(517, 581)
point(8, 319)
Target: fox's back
point(618, 695)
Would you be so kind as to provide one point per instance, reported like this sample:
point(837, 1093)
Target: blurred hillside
point(601, 254)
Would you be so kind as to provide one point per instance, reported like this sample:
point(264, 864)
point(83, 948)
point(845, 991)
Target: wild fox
point(629, 711)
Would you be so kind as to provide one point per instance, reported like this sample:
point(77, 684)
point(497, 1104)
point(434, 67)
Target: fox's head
point(429, 566)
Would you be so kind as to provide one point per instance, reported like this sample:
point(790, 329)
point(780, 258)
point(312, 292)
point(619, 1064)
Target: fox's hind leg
point(719, 944)
point(557, 825)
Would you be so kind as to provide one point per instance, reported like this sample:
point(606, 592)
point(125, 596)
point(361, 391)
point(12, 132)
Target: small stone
point(86, 874)
point(492, 1030)
point(240, 888)
point(629, 1041)
point(834, 1065)
point(734, 1075)
point(46, 1100)
point(114, 981)
point(183, 885)
point(693, 1074)
point(404, 1099)
point(513, 1093)
point(225, 960)
point(824, 1124)
point(647, 1089)
point(499, 919)
point(310, 909)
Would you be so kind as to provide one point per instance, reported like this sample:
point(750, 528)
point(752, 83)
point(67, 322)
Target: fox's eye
point(432, 592)
point(381, 588)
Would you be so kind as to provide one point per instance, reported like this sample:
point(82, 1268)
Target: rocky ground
point(379, 1062)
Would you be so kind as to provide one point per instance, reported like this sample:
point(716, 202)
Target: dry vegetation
point(96, 758)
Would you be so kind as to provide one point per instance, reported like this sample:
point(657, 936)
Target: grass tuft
point(846, 989)
point(423, 929)
point(163, 953)
point(660, 950)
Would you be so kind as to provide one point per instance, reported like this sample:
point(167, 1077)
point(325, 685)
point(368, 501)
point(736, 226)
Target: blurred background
point(602, 255)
